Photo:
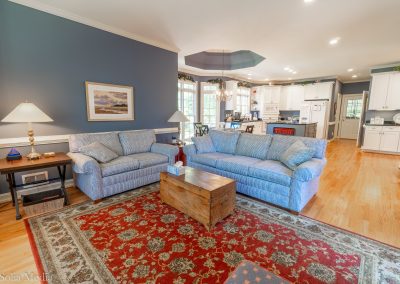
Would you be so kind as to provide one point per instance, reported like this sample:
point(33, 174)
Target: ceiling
point(288, 33)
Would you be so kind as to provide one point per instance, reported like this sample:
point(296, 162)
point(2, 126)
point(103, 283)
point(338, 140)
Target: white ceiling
point(286, 32)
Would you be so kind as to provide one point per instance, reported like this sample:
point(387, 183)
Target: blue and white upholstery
point(255, 165)
point(140, 162)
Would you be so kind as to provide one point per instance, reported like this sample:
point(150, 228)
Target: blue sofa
point(253, 161)
point(140, 161)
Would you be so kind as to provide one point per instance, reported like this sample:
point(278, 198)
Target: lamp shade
point(27, 112)
point(178, 116)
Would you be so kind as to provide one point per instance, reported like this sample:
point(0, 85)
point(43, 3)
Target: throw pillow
point(252, 145)
point(224, 141)
point(296, 154)
point(99, 152)
point(203, 144)
point(138, 141)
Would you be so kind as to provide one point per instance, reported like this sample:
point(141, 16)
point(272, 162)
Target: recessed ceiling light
point(294, 72)
point(334, 41)
point(266, 79)
point(286, 68)
point(249, 74)
point(249, 78)
point(308, 1)
point(270, 83)
point(350, 70)
point(289, 78)
point(354, 76)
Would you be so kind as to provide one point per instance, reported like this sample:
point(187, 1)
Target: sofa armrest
point(189, 151)
point(83, 164)
point(165, 149)
point(309, 170)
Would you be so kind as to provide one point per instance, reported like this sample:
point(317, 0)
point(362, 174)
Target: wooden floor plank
point(359, 192)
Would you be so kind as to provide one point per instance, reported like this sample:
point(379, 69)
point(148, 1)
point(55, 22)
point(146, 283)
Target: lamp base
point(33, 156)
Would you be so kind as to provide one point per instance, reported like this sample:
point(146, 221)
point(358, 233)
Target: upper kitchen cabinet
point(292, 97)
point(272, 94)
point(318, 91)
point(385, 91)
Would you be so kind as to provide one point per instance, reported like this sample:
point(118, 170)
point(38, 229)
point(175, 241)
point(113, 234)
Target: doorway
point(350, 115)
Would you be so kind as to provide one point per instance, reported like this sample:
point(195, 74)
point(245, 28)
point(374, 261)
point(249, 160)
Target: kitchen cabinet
point(382, 138)
point(292, 97)
point(372, 138)
point(271, 94)
point(318, 91)
point(385, 91)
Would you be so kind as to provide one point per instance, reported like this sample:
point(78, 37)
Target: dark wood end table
point(9, 168)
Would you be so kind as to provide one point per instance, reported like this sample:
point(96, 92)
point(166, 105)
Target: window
point(209, 104)
point(187, 104)
point(243, 100)
point(353, 109)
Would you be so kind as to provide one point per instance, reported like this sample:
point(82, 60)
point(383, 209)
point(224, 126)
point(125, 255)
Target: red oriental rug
point(135, 238)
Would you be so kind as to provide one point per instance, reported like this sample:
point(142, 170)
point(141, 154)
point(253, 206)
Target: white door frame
point(342, 110)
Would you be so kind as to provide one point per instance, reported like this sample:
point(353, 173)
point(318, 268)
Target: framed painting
point(108, 102)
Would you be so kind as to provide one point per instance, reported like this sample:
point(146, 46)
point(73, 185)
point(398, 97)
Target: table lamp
point(178, 116)
point(28, 113)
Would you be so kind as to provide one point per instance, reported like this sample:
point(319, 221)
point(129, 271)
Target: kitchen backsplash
point(387, 115)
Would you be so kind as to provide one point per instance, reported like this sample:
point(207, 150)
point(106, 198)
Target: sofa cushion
point(203, 144)
point(149, 159)
point(224, 142)
point(119, 165)
point(209, 159)
point(296, 154)
point(237, 164)
point(272, 171)
point(108, 139)
point(138, 141)
point(99, 152)
point(252, 145)
point(280, 143)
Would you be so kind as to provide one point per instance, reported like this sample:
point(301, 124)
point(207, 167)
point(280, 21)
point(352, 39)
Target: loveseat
point(254, 162)
point(138, 161)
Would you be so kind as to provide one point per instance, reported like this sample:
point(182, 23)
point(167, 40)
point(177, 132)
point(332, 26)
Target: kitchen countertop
point(386, 123)
point(292, 123)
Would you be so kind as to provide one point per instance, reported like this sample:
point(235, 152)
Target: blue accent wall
point(355, 88)
point(47, 59)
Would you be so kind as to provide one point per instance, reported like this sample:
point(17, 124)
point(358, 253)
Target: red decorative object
point(284, 131)
point(181, 156)
point(146, 239)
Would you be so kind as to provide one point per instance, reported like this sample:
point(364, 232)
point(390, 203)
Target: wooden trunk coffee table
point(206, 197)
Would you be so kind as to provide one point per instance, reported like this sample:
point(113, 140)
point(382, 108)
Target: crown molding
point(37, 5)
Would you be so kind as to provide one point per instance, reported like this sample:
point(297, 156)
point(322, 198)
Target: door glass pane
point(353, 109)
point(187, 104)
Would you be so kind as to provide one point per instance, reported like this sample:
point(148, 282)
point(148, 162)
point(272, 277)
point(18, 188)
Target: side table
point(9, 168)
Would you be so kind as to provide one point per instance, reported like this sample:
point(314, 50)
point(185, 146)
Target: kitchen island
point(306, 129)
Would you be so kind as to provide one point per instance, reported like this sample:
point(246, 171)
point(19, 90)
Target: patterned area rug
point(135, 238)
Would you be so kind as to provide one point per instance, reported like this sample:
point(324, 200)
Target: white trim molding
point(34, 4)
point(57, 139)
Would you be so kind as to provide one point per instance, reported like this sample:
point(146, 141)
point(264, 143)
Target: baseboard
point(6, 197)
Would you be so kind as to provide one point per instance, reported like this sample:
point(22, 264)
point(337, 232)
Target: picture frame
point(109, 102)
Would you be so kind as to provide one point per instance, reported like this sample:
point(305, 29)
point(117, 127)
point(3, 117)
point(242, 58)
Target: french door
point(209, 105)
point(187, 98)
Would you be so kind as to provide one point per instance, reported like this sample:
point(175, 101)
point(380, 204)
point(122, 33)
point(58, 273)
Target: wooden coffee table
point(207, 198)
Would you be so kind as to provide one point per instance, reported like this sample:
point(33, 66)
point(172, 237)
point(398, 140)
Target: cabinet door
point(324, 90)
point(275, 95)
point(379, 91)
point(267, 94)
point(283, 101)
point(296, 97)
point(390, 141)
point(393, 96)
point(310, 92)
point(372, 138)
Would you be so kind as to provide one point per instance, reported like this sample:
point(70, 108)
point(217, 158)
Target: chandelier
point(223, 94)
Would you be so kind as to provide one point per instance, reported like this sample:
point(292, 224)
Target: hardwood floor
point(359, 192)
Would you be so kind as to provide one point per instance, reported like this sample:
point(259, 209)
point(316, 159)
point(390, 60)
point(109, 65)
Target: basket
point(42, 202)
